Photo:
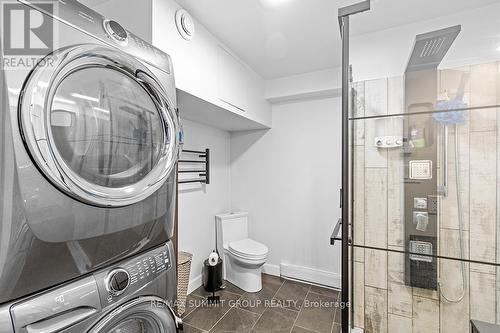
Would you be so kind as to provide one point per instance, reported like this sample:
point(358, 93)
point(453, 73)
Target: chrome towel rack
point(203, 158)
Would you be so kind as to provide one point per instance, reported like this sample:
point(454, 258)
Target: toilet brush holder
point(212, 276)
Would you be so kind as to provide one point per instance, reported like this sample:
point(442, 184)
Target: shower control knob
point(388, 141)
point(117, 281)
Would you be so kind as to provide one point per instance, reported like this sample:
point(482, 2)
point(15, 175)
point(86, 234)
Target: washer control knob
point(116, 31)
point(117, 281)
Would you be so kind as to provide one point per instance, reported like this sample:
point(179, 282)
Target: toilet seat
point(248, 249)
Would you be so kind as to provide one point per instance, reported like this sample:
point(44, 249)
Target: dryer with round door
point(132, 296)
point(89, 141)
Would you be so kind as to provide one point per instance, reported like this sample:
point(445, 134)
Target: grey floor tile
point(191, 329)
point(229, 287)
point(232, 288)
point(192, 302)
point(325, 291)
point(271, 279)
point(291, 294)
point(259, 301)
point(267, 316)
point(236, 320)
point(318, 313)
point(206, 315)
point(275, 320)
point(297, 329)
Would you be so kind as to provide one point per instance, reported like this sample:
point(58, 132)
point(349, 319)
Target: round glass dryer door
point(106, 127)
point(101, 129)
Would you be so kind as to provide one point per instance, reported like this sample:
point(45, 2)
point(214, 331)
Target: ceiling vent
point(185, 24)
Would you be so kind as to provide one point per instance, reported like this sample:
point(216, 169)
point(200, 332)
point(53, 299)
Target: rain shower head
point(430, 48)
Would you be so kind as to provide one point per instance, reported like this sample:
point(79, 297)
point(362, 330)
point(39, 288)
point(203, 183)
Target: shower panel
point(420, 151)
point(420, 173)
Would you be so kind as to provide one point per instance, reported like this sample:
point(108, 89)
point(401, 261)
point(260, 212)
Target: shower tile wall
point(382, 302)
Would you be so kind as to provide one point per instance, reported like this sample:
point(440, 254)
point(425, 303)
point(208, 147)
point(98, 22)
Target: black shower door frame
point(343, 16)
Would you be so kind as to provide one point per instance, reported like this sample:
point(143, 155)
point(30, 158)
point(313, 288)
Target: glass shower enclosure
point(421, 170)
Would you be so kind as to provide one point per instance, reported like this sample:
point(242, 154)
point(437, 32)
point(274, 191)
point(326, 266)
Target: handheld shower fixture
point(447, 118)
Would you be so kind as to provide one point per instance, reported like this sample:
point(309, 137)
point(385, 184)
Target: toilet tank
point(231, 227)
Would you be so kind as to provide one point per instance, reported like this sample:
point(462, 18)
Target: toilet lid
point(248, 248)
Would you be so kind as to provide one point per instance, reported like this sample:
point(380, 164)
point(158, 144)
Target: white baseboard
point(271, 269)
point(313, 275)
point(357, 330)
point(290, 271)
point(194, 284)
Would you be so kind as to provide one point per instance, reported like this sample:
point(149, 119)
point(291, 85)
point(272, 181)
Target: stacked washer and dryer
point(89, 143)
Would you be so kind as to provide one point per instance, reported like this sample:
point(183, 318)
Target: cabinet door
point(232, 78)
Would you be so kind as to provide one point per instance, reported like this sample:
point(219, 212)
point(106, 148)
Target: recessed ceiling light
point(498, 49)
point(273, 3)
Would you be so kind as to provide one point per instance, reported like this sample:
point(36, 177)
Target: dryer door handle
point(65, 320)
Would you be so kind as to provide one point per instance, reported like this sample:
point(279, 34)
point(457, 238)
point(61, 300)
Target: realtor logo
point(27, 31)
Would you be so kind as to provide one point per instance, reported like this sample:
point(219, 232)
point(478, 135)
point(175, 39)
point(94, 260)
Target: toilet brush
point(214, 299)
point(217, 250)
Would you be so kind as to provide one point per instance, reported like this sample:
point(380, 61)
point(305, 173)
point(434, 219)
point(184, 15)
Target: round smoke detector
point(185, 24)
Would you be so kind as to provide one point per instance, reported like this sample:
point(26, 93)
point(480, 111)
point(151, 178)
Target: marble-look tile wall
point(382, 302)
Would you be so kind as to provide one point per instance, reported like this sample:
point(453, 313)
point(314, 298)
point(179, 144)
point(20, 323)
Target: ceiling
point(300, 36)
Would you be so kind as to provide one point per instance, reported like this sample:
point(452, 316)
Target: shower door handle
point(335, 234)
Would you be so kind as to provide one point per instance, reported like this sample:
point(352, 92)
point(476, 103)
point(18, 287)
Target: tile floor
point(281, 306)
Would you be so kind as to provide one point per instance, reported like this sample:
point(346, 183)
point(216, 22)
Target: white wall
point(324, 83)
point(288, 178)
point(385, 53)
point(198, 204)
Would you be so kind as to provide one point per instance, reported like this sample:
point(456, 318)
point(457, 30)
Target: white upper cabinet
point(232, 79)
point(205, 70)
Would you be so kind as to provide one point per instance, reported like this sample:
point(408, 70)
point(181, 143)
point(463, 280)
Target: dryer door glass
point(100, 126)
point(136, 325)
point(147, 314)
point(106, 127)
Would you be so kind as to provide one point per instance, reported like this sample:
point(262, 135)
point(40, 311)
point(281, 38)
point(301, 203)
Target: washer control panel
point(90, 22)
point(147, 267)
point(129, 276)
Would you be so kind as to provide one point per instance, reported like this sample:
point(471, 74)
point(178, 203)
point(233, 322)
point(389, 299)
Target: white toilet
point(243, 257)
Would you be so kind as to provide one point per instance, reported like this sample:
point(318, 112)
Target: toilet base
point(246, 277)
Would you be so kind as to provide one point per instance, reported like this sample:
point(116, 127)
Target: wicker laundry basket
point(183, 270)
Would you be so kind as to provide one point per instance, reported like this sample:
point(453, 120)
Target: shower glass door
point(424, 174)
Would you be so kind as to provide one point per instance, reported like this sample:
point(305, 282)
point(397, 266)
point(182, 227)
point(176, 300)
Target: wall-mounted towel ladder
point(203, 158)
